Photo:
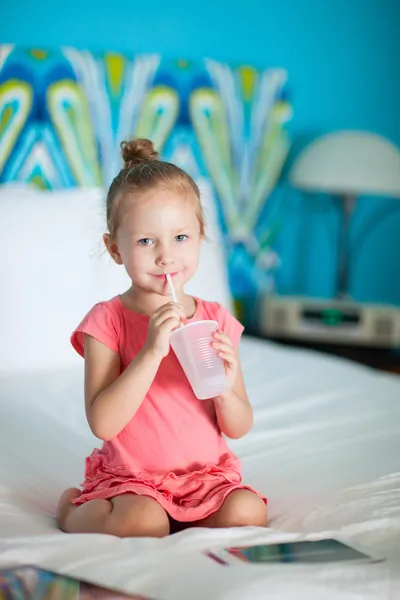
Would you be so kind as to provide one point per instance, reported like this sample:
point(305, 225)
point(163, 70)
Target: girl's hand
point(162, 322)
point(226, 351)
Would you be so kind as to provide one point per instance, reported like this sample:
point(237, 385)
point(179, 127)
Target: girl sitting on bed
point(164, 464)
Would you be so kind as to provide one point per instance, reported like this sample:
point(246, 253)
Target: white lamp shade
point(349, 162)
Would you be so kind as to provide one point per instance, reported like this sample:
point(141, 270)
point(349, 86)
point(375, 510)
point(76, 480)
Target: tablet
point(321, 551)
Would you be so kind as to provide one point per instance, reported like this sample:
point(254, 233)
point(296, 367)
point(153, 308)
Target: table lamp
point(348, 164)
point(345, 164)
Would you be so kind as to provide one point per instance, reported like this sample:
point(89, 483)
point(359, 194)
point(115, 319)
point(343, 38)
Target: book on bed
point(32, 583)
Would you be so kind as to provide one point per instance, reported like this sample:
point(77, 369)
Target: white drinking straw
point(172, 292)
point(171, 288)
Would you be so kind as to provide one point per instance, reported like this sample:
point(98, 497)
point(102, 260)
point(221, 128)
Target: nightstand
point(363, 333)
point(377, 358)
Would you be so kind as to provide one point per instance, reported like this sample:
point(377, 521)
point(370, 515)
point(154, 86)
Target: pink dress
point(172, 450)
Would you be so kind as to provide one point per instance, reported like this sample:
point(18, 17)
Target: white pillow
point(54, 269)
point(211, 279)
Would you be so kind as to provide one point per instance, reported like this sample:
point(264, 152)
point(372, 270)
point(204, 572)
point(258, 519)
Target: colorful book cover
point(31, 583)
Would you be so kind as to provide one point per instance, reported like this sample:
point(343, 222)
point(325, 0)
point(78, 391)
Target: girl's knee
point(245, 508)
point(141, 516)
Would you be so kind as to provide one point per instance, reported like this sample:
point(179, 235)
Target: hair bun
point(137, 151)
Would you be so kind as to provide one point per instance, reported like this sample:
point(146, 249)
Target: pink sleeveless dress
point(172, 450)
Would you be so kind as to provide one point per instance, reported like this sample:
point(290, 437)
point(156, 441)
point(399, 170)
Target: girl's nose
point(164, 259)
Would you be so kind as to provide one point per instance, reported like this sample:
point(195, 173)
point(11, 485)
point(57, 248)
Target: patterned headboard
point(63, 113)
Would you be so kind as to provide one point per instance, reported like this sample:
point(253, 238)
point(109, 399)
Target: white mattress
point(325, 449)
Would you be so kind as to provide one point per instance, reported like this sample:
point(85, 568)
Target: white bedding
point(325, 449)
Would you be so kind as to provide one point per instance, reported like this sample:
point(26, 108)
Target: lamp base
point(330, 321)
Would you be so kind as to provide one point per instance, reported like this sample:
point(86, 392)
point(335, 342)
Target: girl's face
point(159, 233)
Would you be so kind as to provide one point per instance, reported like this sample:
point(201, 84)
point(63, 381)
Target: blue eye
point(145, 242)
point(181, 238)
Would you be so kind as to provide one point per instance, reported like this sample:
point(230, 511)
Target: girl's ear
point(112, 248)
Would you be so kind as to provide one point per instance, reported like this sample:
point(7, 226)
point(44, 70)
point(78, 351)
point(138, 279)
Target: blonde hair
point(142, 171)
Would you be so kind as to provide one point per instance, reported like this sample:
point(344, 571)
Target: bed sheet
point(325, 449)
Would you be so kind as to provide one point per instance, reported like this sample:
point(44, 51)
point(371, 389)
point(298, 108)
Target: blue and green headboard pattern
point(64, 112)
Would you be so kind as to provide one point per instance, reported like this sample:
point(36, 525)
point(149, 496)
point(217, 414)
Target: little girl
point(164, 464)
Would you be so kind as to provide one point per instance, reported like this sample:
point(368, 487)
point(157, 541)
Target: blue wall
point(343, 59)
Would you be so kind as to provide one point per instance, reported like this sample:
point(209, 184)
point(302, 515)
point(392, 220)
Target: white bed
point(325, 447)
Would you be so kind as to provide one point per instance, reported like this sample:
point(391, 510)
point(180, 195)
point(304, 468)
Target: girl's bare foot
point(65, 505)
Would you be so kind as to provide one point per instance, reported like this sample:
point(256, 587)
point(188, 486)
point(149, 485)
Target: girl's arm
point(111, 398)
point(233, 409)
